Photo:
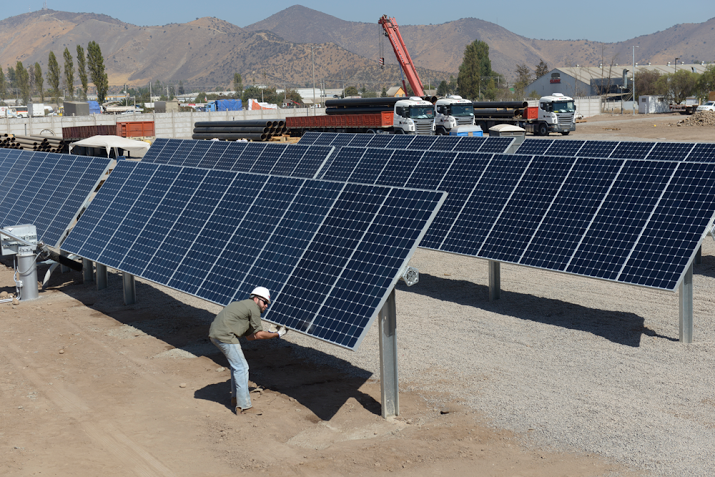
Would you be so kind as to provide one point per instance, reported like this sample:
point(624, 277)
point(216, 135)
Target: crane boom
point(403, 57)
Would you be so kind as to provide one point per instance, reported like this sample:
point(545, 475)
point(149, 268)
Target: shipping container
point(379, 120)
point(135, 129)
point(82, 132)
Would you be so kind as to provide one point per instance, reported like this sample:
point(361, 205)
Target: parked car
point(709, 106)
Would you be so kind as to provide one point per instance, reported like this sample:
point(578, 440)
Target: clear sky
point(596, 20)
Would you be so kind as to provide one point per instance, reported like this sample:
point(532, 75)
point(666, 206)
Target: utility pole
point(633, 79)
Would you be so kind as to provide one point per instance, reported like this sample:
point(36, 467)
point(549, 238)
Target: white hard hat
point(262, 292)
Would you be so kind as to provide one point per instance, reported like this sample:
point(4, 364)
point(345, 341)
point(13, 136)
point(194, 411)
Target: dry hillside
point(440, 47)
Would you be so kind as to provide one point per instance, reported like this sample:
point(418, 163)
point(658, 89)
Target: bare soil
point(92, 387)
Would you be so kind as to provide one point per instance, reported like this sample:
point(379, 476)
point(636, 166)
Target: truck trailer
point(555, 113)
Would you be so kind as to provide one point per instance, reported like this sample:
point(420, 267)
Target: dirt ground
point(91, 387)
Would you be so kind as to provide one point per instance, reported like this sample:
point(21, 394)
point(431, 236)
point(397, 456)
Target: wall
point(168, 125)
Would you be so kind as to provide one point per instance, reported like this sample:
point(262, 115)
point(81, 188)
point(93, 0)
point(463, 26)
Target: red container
point(532, 112)
point(135, 129)
point(368, 120)
point(82, 132)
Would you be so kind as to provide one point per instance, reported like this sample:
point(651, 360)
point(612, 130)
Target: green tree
point(53, 77)
point(3, 84)
point(237, 84)
point(524, 78)
point(369, 94)
point(706, 82)
point(39, 82)
point(181, 88)
point(646, 83)
point(69, 73)
point(475, 70)
point(676, 87)
point(384, 92)
point(23, 82)
point(443, 89)
point(95, 61)
point(82, 70)
point(201, 98)
point(541, 69)
point(350, 91)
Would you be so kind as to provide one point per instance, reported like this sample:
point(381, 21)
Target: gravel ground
point(567, 362)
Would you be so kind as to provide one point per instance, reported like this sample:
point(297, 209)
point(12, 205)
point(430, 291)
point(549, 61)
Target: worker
point(242, 318)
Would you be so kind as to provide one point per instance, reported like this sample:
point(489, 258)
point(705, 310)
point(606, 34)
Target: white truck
point(451, 112)
point(413, 116)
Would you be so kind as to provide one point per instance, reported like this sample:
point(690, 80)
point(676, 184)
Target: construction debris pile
point(252, 130)
point(699, 118)
point(35, 143)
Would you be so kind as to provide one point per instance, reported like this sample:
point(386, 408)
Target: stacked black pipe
point(252, 130)
point(35, 143)
point(359, 105)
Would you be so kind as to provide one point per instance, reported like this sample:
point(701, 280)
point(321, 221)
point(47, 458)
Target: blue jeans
point(239, 372)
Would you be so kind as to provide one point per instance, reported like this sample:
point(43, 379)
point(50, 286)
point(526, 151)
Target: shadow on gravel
point(619, 327)
point(319, 381)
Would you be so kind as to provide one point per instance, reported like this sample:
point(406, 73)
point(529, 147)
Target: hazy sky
point(604, 20)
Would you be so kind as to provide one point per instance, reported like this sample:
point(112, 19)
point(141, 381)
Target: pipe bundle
point(254, 130)
point(359, 105)
point(35, 143)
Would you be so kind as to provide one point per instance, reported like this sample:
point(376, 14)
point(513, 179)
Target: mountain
point(203, 54)
point(441, 47)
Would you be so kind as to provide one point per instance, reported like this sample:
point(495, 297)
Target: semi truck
point(555, 113)
point(452, 112)
point(408, 116)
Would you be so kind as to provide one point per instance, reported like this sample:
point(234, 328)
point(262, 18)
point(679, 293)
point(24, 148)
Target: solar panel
point(497, 145)
point(422, 142)
point(155, 149)
point(632, 150)
point(400, 142)
point(268, 158)
point(597, 149)
point(46, 190)
point(470, 144)
point(329, 252)
point(309, 138)
point(565, 148)
point(532, 147)
point(444, 143)
point(670, 151)
point(380, 141)
point(702, 153)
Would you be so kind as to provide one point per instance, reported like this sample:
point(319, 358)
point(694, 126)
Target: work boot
point(248, 411)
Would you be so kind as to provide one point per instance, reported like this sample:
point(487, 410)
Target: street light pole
point(633, 79)
point(676, 64)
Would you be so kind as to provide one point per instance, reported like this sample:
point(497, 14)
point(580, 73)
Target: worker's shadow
point(275, 367)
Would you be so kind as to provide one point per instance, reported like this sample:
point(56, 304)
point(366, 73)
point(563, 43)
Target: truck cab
point(556, 114)
point(413, 116)
point(451, 112)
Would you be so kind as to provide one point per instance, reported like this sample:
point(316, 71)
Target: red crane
point(393, 33)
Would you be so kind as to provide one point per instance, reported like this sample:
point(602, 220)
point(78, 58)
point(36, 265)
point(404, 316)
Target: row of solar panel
point(329, 252)
point(258, 157)
point(663, 151)
point(669, 151)
point(418, 142)
point(46, 189)
point(632, 221)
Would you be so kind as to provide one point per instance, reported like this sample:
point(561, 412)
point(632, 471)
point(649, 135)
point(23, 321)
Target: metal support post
point(494, 280)
point(388, 358)
point(686, 307)
point(130, 288)
point(27, 271)
point(699, 256)
point(102, 276)
point(87, 271)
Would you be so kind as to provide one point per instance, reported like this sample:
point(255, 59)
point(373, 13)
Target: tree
point(3, 84)
point(39, 82)
point(12, 81)
point(181, 88)
point(350, 91)
point(95, 62)
point(475, 70)
point(69, 73)
point(523, 79)
point(82, 70)
point(237, 84)
point(384, 92)
point(442, 89)
point(541, 69)
point(706, 82)
point(646, 82)
point(23, 82)
point(678, 86)
point(53, 77)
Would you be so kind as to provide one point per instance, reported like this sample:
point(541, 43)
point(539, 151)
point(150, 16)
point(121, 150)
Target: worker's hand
point(282, 330)
point(273, 328)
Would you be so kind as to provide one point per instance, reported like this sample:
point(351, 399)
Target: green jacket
point(240, 318)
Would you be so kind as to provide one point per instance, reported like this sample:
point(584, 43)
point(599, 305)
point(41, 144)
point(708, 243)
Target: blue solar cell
point(670, 151)
point(360, 140)
point(156, 147)
point(308, 138)
point(429, 172)
point(371, 165)
point(524, 210)
point(248, 157)
point(230, 158)
point(632, 150)
point(422, 143)
point(400, 142)
point(213, 155)
point(399, 168)
point(597, 149)
point(616, 226)
point(167, 152)
point(444, 143)
point(532, 147)
point(674, 231)
point(196, 155)
point(380, 141)
point(324, 139)
point(702, 153)
point(341, 139)
point(459, 181)
point(312, 161)
point(181, 152)
point(469, 144)
point(288, 160)
point(342, 163)
point(269, 157)
point(484, 204)
point(496, 145)
point(564, 148)
point(569, 216)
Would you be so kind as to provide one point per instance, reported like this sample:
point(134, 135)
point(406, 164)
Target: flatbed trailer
point(375, 123)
